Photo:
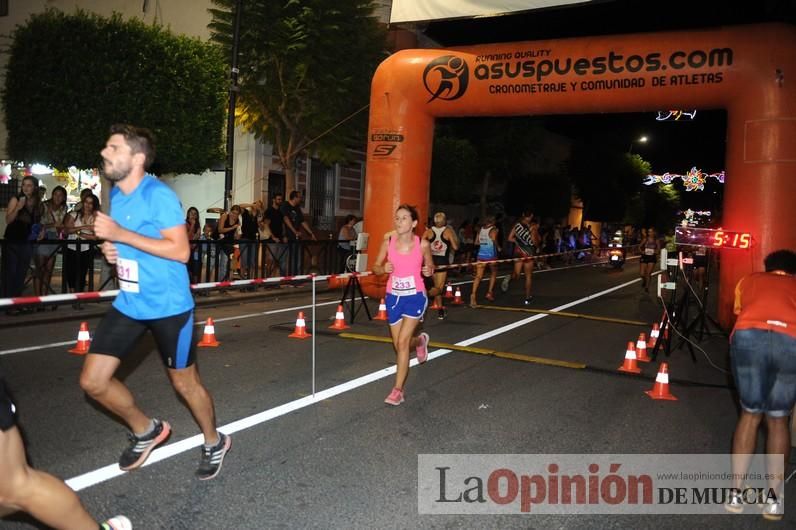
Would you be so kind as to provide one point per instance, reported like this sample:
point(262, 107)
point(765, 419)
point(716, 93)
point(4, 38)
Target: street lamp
point(641, 140)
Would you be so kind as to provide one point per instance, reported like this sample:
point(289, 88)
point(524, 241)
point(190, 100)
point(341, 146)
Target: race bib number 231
point(127, 271)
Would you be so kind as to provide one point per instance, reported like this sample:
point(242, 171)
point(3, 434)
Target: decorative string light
point(675, 115)
point(694, 180)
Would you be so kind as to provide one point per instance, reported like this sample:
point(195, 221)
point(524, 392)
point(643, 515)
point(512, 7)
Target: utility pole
point(233, 95)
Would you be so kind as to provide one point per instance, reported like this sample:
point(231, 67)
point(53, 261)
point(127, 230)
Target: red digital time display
point(712, 238)
point(725, 239)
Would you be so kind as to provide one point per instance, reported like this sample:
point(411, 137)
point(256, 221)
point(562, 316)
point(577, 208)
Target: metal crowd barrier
point(51, 267)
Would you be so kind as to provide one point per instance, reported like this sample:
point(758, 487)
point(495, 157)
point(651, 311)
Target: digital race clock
point(712, 238)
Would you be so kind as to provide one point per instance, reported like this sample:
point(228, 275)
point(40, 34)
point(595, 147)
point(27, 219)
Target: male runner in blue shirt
point(145, 238)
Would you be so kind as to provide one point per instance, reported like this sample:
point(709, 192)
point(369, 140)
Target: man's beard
point(116, 174)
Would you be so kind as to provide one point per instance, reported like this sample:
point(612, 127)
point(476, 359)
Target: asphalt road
point(350, 461)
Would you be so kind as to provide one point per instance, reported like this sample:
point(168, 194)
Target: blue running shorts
point(410, 306)
point(117, 335)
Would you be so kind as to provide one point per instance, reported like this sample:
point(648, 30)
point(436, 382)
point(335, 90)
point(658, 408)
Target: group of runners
point(146, 239)
point(411, 261)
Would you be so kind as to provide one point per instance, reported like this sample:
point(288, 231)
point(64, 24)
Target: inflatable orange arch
point(748, 70)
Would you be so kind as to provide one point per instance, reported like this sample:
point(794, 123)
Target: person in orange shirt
point(763, 355)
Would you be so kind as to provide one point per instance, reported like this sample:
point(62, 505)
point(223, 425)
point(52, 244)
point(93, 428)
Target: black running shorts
point(440, 261)
point(6, 408)
point(117, 334)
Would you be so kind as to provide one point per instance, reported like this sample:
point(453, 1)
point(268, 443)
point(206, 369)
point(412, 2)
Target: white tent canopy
point(426, 10)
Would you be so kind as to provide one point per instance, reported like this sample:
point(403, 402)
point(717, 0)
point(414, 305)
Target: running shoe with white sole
point(504, 285)
point(774, 510)
point(120, 522)
point(213, 458)
point(136, 454)
point(422, 347)
point(395, 398)
point(734, 504)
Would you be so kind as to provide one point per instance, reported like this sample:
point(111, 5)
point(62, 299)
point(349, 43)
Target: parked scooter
point(616, 251)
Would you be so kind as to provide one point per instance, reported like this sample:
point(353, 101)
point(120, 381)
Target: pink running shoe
point(396, 397)
point(422, 347)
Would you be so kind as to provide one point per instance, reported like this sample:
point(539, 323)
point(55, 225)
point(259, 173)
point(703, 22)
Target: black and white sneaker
point(213, 457)
point(528, 300)
point(136, 454)
point(441, 314)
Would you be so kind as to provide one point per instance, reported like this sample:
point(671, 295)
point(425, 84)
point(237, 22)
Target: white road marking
point(108, 472)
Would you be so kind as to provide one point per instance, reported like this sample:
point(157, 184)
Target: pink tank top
point(405, 279)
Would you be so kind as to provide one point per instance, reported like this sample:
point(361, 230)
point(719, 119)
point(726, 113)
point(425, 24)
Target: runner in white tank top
point(443, 242)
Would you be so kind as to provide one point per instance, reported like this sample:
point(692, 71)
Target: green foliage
point(70, 76)
point(511, 152)
point(655, 206)
point(604, 179)
point(506, 146)
point(305, 65)
point(454, 170)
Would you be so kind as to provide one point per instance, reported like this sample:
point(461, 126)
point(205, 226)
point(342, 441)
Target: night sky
point(673, 146)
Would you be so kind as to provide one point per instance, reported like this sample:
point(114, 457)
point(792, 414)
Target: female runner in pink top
point(404, 256)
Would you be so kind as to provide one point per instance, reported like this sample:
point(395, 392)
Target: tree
point(454, 169)
point(305, 66)
point(70, 76)
point(505, 148)
point(605, 179)
point(654, 206)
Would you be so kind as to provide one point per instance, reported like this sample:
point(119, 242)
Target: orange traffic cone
point(382, 314)
point(654, 334)
point(641, 349)
point(630, 365)
point(209, 337)
point(83, 340)
point(300, 332)
point(457, 299)
point(449, 291)
point(661, 388)
point(339, 319)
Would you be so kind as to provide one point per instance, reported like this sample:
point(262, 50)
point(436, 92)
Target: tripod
point(677, 310)
point(703, 320)
point(350, 297)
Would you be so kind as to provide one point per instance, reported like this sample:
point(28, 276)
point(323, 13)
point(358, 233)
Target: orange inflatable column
point(400, 138)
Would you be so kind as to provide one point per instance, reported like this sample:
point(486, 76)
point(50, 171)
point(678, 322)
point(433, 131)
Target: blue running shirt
point(150, 286)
